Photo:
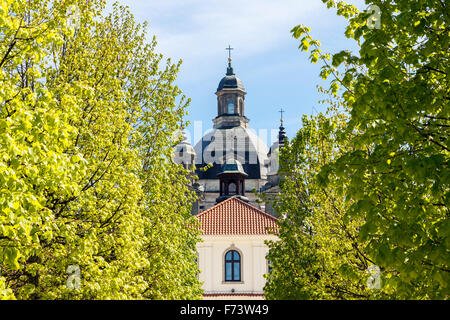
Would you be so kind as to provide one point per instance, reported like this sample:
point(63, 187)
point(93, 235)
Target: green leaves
point(11, 255)
point(86, 177)
point(319, 255)
point(5, 292)
point(299, 30)
point(396, 92)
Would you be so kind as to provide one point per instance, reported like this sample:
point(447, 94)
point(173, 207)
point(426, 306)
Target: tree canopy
point(92, 205)
point(393, 169)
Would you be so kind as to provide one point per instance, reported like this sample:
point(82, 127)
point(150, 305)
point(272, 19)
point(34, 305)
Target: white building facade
point(232, 255)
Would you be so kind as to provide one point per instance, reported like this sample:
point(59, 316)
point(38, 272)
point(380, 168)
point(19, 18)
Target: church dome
point(236, 142)
point(230, 82)
point(232, 166)
point(184, 153)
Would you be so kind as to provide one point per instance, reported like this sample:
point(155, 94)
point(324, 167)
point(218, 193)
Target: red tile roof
point(234, 216)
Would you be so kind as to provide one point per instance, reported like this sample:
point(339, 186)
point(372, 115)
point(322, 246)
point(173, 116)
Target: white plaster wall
point(253, 259)
point(212, 185)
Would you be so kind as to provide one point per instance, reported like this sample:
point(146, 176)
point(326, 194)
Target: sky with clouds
point(265, 56)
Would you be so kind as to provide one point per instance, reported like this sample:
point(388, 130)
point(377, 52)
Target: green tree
point(396, 176)
point(318, 255)
point(95, 188)
point(33, 136)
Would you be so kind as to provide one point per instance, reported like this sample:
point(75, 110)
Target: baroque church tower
point(232, 162)
point(230, 101)
point(231, 159)
point(231, 143)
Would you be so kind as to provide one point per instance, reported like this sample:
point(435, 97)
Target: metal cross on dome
point(229, 51)
point(281, 111)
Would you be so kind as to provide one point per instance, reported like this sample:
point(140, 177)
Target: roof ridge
point(235, 216)
point(257, 209)
point(241, 201)
point(215, 206)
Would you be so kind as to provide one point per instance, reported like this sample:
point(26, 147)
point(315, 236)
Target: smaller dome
point(232, 166)
point(230, 82)
point(183, 151)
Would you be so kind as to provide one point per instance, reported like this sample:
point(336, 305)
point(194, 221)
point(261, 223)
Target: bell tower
point(232, 181)
point(230, 100)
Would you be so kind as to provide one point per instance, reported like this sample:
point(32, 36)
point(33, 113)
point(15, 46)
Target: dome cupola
point(184, 152)
point(230, 101)
point(230, 81)
point(232, 181)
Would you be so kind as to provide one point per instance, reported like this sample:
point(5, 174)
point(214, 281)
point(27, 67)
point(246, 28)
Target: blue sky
point(265, 56)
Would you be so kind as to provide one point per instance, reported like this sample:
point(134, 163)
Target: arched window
point(232, 188)
point(232, 266)
point(230, 106)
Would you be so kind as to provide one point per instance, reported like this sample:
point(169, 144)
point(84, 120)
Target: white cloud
point(252, 26)
point(199, 31)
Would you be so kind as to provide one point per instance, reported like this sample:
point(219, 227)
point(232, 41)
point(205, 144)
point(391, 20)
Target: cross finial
point(281, 133)
point(281, 111)
point(229, 52)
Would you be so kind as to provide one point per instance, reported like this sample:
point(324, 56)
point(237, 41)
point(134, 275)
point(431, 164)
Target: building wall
point(211, 260)
point(212, 191)
point(212, 185)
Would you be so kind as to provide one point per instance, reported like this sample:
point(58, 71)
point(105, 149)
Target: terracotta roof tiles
point(234, 216)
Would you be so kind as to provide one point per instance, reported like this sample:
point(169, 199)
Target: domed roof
point(232, 166)
point(183, 151)
point(230, 81)
point(216, 144)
